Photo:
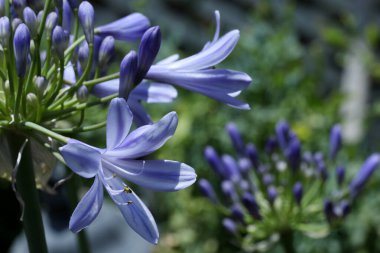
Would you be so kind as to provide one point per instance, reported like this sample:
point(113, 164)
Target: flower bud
point(244, 165)
point(237, 212)
point(67, 16)
point(293, 154)
point(235, 137)
point(30, 20)
point(73, 4)
point(282, 133)
point(298, 192)
point(51, 22)
point(82, 94)
point(250, 203)
point(5, 28)
point(106, 51)
point(268, 179)
point(128, 70)
point(60, 39)
point(230, 225)
point(39, 17)
point(251, 152)
point(40, 84)
point(15, 23)
point(231, 168)
point(270, 145)
point(364, 174)
point(214, 160)
point(335, 141)
point(228, 190)
point(32, 105)
point(272, 194)
point(322, 170)
point(207, 190)
point(83, 53)
point(328, 209)
point(345, 208)
point(21, 47)
point(2, 8)
point(86, 18)
point(340, 174)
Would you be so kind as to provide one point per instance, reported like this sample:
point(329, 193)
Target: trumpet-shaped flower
point(119, 161)
point(195, 73)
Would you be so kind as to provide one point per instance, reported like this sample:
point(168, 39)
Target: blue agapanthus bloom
point(195, 73)
point(119, 160)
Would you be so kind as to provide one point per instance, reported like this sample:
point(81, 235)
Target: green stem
point(72, 190)
point(81, 129)
point(287, 241)
point(93, 82)
point(46, 131)
point(26, 187)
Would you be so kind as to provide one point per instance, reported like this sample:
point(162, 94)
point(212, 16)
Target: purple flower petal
point(119, 121)
point(146, 139)
point(83, 159)
point(146, 91)
point(88, 208)
point(140, 116)
point(211, 56)
point(136, 214)
point(129, 28)
point(158, 175)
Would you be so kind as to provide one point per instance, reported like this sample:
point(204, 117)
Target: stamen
point(127, 189)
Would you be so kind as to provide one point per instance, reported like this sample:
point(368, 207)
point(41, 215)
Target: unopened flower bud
point(268, 179)
point(335, 141)
point(250, 203)
point(2, 8)
point(128, 70)
point(39, 17)
point(67, 16)
point(82, 94)
point(237, 212)
point(15, 23)
point(32, 105)
point(21, 47)
point(328, 209)
point(207, 190)
point(4, 31)
point(252, 154)
point(40, 84)
point(86, 18)
point(60, 39)
point(298, 192)
point(293, 154)
point(83, 53)
point(364, 174)
point(214, 161)
point(282, 133)
point(73, 4)
point(106, 51)
point(229, 225)
point(30, 20)
point(272, 194)
point(228, 190)
point(340, 174)
point(51, 22)
point(231, 168)
point(235, 137)
point(270, 145)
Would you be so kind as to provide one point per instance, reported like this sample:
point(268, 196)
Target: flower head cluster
point(55, 65)
point(283, 188)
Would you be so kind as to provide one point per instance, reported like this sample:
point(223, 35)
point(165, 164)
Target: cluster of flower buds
point(55, 66)
point(283, 188)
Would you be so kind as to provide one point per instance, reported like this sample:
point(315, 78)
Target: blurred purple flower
point(119, 160)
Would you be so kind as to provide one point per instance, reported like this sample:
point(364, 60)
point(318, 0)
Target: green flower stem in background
point(286, 239)
point(72, 191)
point(26, 187)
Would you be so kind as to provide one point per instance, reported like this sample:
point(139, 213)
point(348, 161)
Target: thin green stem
point(46, 131)
point(18, 97)
point(26, 187)
point(93, 82)
point(80, 129)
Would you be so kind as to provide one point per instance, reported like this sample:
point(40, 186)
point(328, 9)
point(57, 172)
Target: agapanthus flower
point(195, 73)
point(286, 187)
point(119, 161)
